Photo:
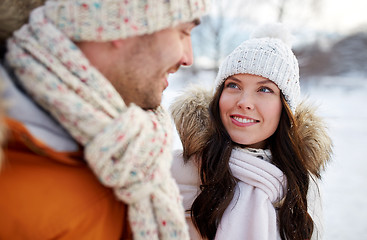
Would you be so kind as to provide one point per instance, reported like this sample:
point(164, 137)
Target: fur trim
point(315, 136)
point(191, 116)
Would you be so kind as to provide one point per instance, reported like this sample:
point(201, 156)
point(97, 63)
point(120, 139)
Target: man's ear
point(117, 43)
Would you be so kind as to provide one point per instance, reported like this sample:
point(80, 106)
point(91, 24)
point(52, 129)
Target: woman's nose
point(245, 101)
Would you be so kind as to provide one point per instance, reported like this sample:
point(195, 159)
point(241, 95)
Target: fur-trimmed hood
point(191, 116)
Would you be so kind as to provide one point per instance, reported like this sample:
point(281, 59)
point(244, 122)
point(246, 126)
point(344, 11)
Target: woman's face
point(250, 109)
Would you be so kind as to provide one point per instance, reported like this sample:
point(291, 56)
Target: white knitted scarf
point(126, 147)
point(251, 213)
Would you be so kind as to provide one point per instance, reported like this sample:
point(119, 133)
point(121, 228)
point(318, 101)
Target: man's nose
point(187, 58)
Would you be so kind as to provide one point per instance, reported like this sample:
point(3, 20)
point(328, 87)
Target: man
point(13, 14)
point(2, 126)
point(79, 75)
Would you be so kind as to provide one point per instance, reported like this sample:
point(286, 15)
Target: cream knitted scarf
point(261, 185)
point(126, 147)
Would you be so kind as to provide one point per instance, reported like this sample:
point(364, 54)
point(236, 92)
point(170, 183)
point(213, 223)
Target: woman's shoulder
point(184, 172)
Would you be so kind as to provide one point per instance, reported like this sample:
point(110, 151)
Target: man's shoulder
point(49, 190)
point(23, 108)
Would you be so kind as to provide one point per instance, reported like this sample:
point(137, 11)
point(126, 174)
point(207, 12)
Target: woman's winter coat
point(191, 116)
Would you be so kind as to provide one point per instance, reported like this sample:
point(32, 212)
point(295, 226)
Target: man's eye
point(186, 32)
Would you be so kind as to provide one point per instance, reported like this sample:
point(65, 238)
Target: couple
point(88, 153)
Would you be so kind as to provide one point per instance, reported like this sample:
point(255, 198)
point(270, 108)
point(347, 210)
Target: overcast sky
point(344, 15)
point(341, 16)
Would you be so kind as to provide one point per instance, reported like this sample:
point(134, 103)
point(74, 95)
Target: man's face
point(141, 72)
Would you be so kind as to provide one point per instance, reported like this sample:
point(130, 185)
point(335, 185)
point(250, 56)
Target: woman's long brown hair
point(218, 182)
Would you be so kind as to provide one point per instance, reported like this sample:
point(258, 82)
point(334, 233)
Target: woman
point(250, 162)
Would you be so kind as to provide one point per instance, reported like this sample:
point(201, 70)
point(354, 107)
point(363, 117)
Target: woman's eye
point(265, 90)
point(231, 85)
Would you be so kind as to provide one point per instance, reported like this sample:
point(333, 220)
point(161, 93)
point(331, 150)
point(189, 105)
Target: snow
point(341, 102)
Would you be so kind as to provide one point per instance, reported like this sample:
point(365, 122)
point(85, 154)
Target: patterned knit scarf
point(127, 148)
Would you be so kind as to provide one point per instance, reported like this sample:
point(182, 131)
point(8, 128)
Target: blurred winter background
point(331, 45)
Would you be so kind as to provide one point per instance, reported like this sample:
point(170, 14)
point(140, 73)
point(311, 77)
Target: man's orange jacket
point(46, 194)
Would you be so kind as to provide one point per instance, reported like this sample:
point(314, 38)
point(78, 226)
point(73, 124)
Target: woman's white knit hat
point(268, 54)
point(103, 20)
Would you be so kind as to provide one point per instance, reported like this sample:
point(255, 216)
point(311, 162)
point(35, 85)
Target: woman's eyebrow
point(235, 79)
point(265, 81)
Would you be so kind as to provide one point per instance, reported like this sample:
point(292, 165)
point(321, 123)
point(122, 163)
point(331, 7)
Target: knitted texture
point(260, 185)
point(102, 20)
point(127, 148)
point(269, 57)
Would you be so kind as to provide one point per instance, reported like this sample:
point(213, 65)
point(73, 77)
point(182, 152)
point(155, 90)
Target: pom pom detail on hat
point(268, 54)
point(274, 30)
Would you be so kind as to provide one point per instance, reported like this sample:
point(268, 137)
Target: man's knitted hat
point(268, 54)
point(104, 20)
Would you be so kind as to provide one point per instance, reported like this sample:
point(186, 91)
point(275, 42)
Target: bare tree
point(225, 26)
point(285, 6)
point(211, 37)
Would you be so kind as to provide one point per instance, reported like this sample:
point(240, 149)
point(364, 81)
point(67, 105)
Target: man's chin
point(151, 105)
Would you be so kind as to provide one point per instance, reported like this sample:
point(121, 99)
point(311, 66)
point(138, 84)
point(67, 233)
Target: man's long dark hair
point(218, 182)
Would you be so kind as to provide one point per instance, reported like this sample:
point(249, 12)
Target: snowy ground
point(343, 103)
